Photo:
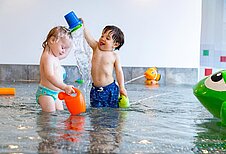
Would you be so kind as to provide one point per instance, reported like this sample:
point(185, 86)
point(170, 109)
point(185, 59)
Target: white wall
point(162, 33)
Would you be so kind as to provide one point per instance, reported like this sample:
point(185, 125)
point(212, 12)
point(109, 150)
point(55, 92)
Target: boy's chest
point(103, 57)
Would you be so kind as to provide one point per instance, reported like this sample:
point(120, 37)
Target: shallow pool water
point(164, 119)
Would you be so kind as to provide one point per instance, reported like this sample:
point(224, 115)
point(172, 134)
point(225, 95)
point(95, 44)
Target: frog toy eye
point(216, 77)
point(216, 82)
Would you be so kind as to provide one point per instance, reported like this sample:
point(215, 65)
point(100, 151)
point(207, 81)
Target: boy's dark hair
point(117, 36)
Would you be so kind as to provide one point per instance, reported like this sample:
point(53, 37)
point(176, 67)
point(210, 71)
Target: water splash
point(83, 54)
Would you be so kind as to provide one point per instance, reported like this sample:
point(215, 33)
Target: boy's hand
point(123, 92)
point(81, 20)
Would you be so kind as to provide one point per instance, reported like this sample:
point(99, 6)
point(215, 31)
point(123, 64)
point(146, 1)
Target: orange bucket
point(75, 104)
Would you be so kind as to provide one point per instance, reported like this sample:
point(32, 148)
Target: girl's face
point(61, 47)
point(106, 42)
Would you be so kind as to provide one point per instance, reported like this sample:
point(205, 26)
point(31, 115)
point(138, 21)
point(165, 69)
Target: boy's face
point(106, 42)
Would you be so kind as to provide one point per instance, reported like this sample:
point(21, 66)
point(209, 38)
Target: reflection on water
point(74, 128)
point(107, 125)
point(211, 137)
point(164, 119)
point(70, 135)
point(47, 130)
point(59, 135)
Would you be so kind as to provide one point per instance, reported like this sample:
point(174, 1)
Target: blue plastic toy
point(73, 21)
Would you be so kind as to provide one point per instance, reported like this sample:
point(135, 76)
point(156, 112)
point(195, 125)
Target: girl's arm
point(49, 74)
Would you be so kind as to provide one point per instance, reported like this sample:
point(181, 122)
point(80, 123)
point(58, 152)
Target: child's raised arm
point(89, 38)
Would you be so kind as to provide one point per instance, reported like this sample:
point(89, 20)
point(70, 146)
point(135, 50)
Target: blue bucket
point(73, 21)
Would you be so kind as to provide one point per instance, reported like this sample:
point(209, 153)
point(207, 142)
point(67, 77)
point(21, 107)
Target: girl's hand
point(69, 89)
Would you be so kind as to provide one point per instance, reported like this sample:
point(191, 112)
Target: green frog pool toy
point(211, 92)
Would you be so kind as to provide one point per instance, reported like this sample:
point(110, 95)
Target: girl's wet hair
point(57, 32)
point(117, 35)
